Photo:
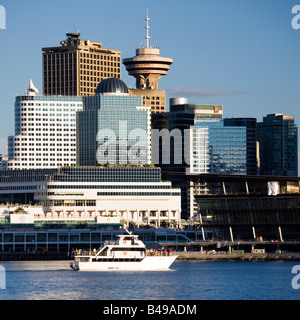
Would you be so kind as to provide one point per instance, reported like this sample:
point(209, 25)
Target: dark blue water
point(43, 280)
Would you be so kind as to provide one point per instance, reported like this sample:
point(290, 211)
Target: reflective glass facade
point(251, 130)
point(113, 129)
point(206, 144)
point(278, 141)
point(216, 148)
point(81, 174)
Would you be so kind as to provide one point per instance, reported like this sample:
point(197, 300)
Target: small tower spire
point(32, 90)
point(147, 31)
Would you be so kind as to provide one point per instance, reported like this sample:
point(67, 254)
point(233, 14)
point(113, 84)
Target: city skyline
point(241, 54)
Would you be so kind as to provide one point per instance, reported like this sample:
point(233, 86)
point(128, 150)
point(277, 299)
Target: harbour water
point(49, 280)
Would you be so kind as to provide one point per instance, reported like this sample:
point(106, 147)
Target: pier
point(236, 250)
point(198, 256)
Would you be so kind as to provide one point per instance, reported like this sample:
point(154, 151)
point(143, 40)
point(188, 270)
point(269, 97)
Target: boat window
point(128, 238)
point(127, 249)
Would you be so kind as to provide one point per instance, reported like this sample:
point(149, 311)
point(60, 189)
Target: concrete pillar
point(202, 229)
point(191, 198)
point(247, 189)
point(158, 212)
point(224, 187)
point(280, 234)
point(253, 231)
point(231, 234)
point(138, 217)
point(203, 234)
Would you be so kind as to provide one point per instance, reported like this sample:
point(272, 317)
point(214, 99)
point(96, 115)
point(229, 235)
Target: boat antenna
point(127, 230)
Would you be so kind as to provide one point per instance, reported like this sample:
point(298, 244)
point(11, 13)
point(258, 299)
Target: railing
point(148, 252)
point(154, 252)
point(82, 252)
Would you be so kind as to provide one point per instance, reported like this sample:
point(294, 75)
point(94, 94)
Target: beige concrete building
point(147, 67)
point(77, 66)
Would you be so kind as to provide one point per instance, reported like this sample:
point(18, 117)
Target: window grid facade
point(45, 132)
point(216, 148)
point(278, 144)
point(94, 193)
point(76, 68)
point(122, 115)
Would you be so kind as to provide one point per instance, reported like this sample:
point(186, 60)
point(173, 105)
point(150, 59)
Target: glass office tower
point(278, 142)
point(199, 140)
point(113, 128)
point(252, 148)
point(215, 148)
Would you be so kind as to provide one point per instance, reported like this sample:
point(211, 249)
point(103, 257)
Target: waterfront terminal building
point(81, 207)
point(135, 195)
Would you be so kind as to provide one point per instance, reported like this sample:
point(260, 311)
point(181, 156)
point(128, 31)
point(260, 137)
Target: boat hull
point(147, 264)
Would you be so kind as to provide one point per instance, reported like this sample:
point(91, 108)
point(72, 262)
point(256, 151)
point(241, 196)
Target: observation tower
point(147, 67)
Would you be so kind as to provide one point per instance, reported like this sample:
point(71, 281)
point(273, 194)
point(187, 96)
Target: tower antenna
point(147, 29)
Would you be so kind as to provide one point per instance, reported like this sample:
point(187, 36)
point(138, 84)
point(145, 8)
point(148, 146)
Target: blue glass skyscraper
point(215, 148)
point(113, 128)
point(208, 144)
point(278, 144)
point(252, 145)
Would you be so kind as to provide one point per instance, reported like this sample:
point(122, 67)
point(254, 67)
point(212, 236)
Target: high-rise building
point(77, 66)
point(179, 123)
point(216, 148)
point(147, 67)
point(252, 145)
point(45, 131)
point(3, 161)
point(193, 139)
point(278, 145)
point(199, 111)
point(114, 127)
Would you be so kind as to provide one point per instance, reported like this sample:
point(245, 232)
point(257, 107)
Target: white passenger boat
point(128, 253)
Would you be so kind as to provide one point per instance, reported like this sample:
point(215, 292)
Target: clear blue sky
point(243, 54)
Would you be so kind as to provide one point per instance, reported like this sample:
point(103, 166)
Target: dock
point(236, 250)
point(198, 256)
